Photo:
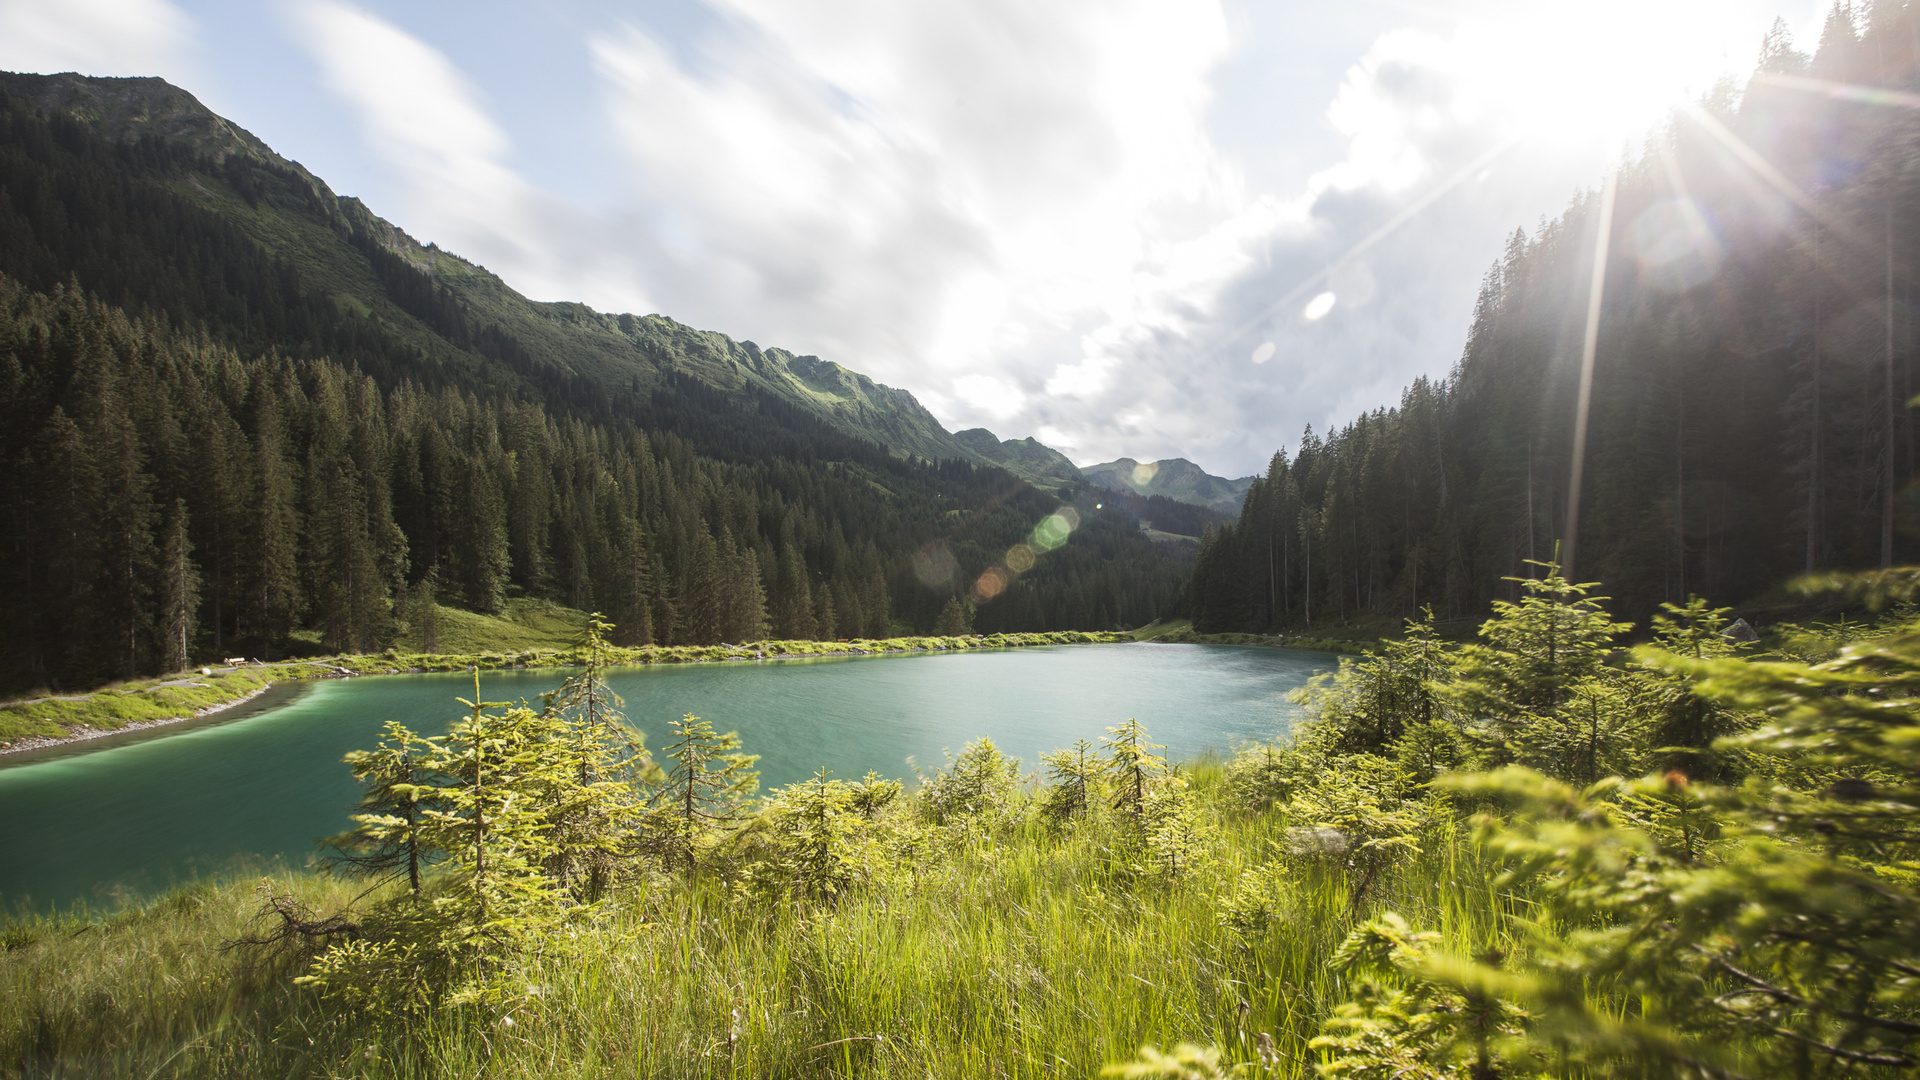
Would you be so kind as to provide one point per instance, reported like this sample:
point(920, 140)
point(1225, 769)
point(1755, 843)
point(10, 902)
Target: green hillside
point(1029, 459)
point(455, 314)
point(237, 411)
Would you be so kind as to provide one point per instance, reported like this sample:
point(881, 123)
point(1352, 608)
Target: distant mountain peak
point(1175, 478)
point(1029, 458)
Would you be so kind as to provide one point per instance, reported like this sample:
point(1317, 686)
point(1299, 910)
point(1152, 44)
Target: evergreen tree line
point(167, 498)
point(1748, 418)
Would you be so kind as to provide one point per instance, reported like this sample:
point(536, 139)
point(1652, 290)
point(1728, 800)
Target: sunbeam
point(1841, 91)
point(1603, 235)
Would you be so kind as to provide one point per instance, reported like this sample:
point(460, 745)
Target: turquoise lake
point(134, 818)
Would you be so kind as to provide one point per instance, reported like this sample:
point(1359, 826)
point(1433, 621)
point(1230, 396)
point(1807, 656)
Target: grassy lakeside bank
point(1180, 631)
point(1000, 944)
point(48, 720)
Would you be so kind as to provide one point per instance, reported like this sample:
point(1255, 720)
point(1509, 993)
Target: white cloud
point(430, 124)
point(952, 197)
point(996, 398)
point(95, 37)
point(1015, 209)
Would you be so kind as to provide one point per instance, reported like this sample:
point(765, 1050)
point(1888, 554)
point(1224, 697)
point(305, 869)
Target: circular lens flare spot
point(1054, 530)
point(934, 565)
point(991, 584)
point(1264, 353)
point(1676, 245)
point(1318, 307)
point(1020, 558)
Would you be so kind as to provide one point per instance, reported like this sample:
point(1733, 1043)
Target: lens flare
point(1264, 353)
point(1054, 530)
point(1318, 307)
point(1144, 472)
point(1675, 245)
point(991, 584)
point(934, 565)
point(1020, 558)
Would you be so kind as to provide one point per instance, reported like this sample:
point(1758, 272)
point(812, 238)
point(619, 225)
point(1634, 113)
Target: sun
point(1586, 75)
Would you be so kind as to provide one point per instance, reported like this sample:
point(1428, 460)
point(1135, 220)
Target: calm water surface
point(139, 817)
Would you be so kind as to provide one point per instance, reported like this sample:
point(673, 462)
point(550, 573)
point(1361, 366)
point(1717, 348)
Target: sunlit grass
point(1029, 950)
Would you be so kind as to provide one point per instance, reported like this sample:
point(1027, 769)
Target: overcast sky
point(1151, 228)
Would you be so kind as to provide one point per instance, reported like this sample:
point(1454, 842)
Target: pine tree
point(703, 797)
point(274, 600)
point(825, 620)
point(1512, 690)
point(793, 598)
point(179, 590)
point(956, 619)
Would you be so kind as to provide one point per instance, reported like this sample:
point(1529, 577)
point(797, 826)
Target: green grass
point(113, 707)
point(1336, 640)
point(1022, 951)
point(525, 624)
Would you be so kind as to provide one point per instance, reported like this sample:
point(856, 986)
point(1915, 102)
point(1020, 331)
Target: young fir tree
point(703, 797)
point(480, 806)
point(1078, 774)
point(1371, 704)
point(1684, 728)
point(1134, 768)
point(824, 845)
point(975, 788)
point(592, 829)
point(1512, 687)
point(398, 787)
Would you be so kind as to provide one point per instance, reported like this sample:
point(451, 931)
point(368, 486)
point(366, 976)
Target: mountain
point(241, 413)
point(420, 297)
point(1176, 478)
point(1029, 459)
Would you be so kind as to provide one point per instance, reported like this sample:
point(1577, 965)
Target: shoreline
point(295, 672)
point(82, 734)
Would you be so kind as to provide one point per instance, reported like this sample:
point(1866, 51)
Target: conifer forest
point(207, 453)
point(1741, 432)
point(1617, 778)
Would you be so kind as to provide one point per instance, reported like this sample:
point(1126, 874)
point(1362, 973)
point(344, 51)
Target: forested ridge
point(1749, 419)
point(213, 445)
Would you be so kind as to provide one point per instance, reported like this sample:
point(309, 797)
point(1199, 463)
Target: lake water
point(135, 818)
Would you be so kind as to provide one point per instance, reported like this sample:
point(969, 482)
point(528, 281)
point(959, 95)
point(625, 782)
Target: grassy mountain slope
point(452, 313)
point(1029, 458)
point(1176, 478)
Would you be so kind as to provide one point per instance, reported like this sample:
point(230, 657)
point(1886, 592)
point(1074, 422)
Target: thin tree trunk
point(1886, 490)
point(1814, 465)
